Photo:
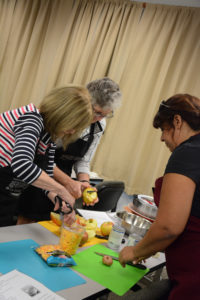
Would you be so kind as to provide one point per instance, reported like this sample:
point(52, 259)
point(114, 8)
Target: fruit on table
point(91, 233)
point(91, 224)
point(88, 224)
point(55, 218)
point(89, 195)
point(107, 260)
point(106, 228)
point(80, 220)
point(84, 238)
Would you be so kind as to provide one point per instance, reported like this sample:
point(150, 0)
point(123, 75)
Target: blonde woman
point(106, 98)
point(27, 147)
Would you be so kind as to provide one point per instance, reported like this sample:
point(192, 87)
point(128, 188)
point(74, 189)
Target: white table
point(42, 236)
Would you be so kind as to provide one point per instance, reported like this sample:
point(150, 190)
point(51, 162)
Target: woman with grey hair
point(105, 93)
point(106, 98)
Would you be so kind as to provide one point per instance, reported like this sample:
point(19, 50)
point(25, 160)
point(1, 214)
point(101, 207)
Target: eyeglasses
point(99, 114)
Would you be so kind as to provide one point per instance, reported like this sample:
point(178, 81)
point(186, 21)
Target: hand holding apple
point(89, 195)
point(106, 228)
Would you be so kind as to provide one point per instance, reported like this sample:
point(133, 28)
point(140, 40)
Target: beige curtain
point(164, 59)
point(152, 53)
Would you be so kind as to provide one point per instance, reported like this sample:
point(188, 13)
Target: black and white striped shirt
point(20, 131)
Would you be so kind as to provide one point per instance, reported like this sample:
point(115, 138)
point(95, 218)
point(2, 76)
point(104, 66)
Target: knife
point(101, 237)
point(139, 266)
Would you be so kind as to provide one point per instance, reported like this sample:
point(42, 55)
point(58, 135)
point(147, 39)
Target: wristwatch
point(84, 181)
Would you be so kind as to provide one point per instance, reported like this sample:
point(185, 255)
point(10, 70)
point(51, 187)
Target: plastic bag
point(54, 256)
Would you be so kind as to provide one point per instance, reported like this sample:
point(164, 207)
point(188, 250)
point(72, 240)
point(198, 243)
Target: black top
point(185, 160)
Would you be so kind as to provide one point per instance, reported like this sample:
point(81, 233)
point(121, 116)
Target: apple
point(107, 260)
point(80, 220)
point(89, 195)
point(106, 228)
point(91, 224)
point(84, 238)
point(91, 233)
point(55, 218)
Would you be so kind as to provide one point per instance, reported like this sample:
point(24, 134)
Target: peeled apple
point(89, 195)
point(91, 224)
point(91, 233)
point(107, 260)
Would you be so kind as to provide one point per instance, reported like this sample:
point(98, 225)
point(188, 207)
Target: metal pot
point(145, 206)
point(133, 223)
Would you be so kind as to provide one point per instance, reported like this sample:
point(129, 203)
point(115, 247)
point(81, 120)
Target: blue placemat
point(20, 255)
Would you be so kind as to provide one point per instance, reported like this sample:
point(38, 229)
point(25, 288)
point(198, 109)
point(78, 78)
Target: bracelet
point(84, 181)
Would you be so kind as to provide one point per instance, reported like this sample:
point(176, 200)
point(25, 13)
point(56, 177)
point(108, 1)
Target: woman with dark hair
point(176, 229)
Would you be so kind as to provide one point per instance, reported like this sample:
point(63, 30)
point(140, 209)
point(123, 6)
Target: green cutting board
point(117, 279)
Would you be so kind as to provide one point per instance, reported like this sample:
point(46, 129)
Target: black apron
point(65, 159)
point(11, 190)
point(38, 206)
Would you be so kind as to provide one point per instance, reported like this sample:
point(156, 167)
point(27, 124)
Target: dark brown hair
point(185, 105)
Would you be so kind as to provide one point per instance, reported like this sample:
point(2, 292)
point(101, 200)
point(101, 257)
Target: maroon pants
point(183, 258)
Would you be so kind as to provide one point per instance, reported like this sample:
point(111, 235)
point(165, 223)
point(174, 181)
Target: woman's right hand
point(127, 255)
point(75, 188)
point(45, 182)
point(67, 197)
point(52, 197)
point(69, 219)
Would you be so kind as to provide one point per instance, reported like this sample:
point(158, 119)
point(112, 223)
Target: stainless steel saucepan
point(145, 206)
point(133, 223)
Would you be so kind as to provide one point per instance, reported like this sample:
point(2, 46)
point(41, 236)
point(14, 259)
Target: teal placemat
point(117, 279)
point(20, 255)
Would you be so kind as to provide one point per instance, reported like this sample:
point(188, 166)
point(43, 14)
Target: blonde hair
point(66, 108)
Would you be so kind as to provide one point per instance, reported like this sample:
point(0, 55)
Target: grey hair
point(105, 93)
